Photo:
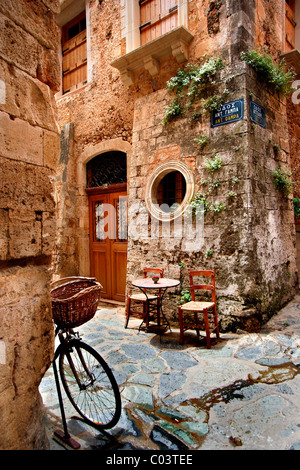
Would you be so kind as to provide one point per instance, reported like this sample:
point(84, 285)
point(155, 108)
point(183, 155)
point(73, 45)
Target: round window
point(169, 189)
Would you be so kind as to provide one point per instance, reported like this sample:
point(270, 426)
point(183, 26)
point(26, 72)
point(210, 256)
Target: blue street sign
point(257, 114)
point(229, 112)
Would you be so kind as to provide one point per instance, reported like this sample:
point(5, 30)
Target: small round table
point(162, 285)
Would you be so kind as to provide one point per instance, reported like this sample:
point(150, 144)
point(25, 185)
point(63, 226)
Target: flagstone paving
point(243, 393)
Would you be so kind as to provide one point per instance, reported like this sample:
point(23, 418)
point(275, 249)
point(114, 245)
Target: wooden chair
point(188, 313)
point(141, 299)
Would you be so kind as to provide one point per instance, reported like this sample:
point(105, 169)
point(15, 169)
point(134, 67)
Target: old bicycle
point(87, 379)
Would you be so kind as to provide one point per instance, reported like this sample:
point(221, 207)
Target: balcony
point(174, 42)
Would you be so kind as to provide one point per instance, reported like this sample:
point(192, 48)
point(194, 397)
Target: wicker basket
point(74, 302)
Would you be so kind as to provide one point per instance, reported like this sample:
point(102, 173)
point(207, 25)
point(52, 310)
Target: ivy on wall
point(189, 85)
point(272, 73)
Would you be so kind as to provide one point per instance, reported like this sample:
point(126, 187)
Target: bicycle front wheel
point(90, 385)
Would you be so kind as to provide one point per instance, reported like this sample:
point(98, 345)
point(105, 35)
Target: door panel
point(108, 242)
point(119, 268)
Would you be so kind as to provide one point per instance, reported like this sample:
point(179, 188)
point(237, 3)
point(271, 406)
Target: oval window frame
point(153, 182)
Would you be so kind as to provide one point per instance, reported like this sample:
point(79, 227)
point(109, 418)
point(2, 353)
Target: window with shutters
point(74, 54)
point(152, 29)
point(157, 18)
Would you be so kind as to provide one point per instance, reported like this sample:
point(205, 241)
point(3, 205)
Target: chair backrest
point(210, 287)
point(159, 271)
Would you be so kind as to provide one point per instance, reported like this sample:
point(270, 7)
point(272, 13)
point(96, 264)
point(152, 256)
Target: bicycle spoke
point(90, 385)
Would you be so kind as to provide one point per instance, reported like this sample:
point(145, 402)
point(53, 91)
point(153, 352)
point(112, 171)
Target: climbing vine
point(282, 181)
point(272, 73)
point(188, 86)
point(201, 202)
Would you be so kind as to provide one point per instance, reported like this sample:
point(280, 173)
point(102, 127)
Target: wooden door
point(108, 242)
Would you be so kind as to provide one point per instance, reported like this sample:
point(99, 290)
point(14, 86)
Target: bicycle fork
point(80, 384)
point(64, 435)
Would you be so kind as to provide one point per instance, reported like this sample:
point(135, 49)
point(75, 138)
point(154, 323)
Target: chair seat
point(197, 306)
point(142, 297)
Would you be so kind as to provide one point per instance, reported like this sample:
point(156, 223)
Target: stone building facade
point(29, 135)
point(111, 109)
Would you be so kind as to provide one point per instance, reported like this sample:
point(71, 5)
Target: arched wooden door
point(108, 227)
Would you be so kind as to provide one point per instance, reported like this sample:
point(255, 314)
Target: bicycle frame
point(65, 342)
point(83, 371)
point(64, 436)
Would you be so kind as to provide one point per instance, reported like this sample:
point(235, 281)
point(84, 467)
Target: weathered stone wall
point(253, 240)
point(29, 136)
point(103, 110)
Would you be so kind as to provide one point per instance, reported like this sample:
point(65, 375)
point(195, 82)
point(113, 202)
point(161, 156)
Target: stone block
point(27, 53)
point(20, 140)
point(48, 233)
point(27, 98)
point(32, 187)
point(3, 234)
point(25, 229)
point(18, 47)
point(48, 68)
point(51, 149)
point(36, 18)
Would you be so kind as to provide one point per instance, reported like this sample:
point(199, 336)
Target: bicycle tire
point(98, 403)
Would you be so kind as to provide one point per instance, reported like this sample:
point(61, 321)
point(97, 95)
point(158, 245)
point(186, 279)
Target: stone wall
point(102, 112)
point(253, 240)
point(29, 136)
point(251, 243)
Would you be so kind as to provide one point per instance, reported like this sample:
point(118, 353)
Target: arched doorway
point(107, 191)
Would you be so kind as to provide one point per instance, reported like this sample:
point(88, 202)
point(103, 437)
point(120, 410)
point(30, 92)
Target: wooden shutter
point(157, 18)
point(74, 54)
point(290, 24)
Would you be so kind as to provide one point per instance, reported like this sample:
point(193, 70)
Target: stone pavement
point(242, 394)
